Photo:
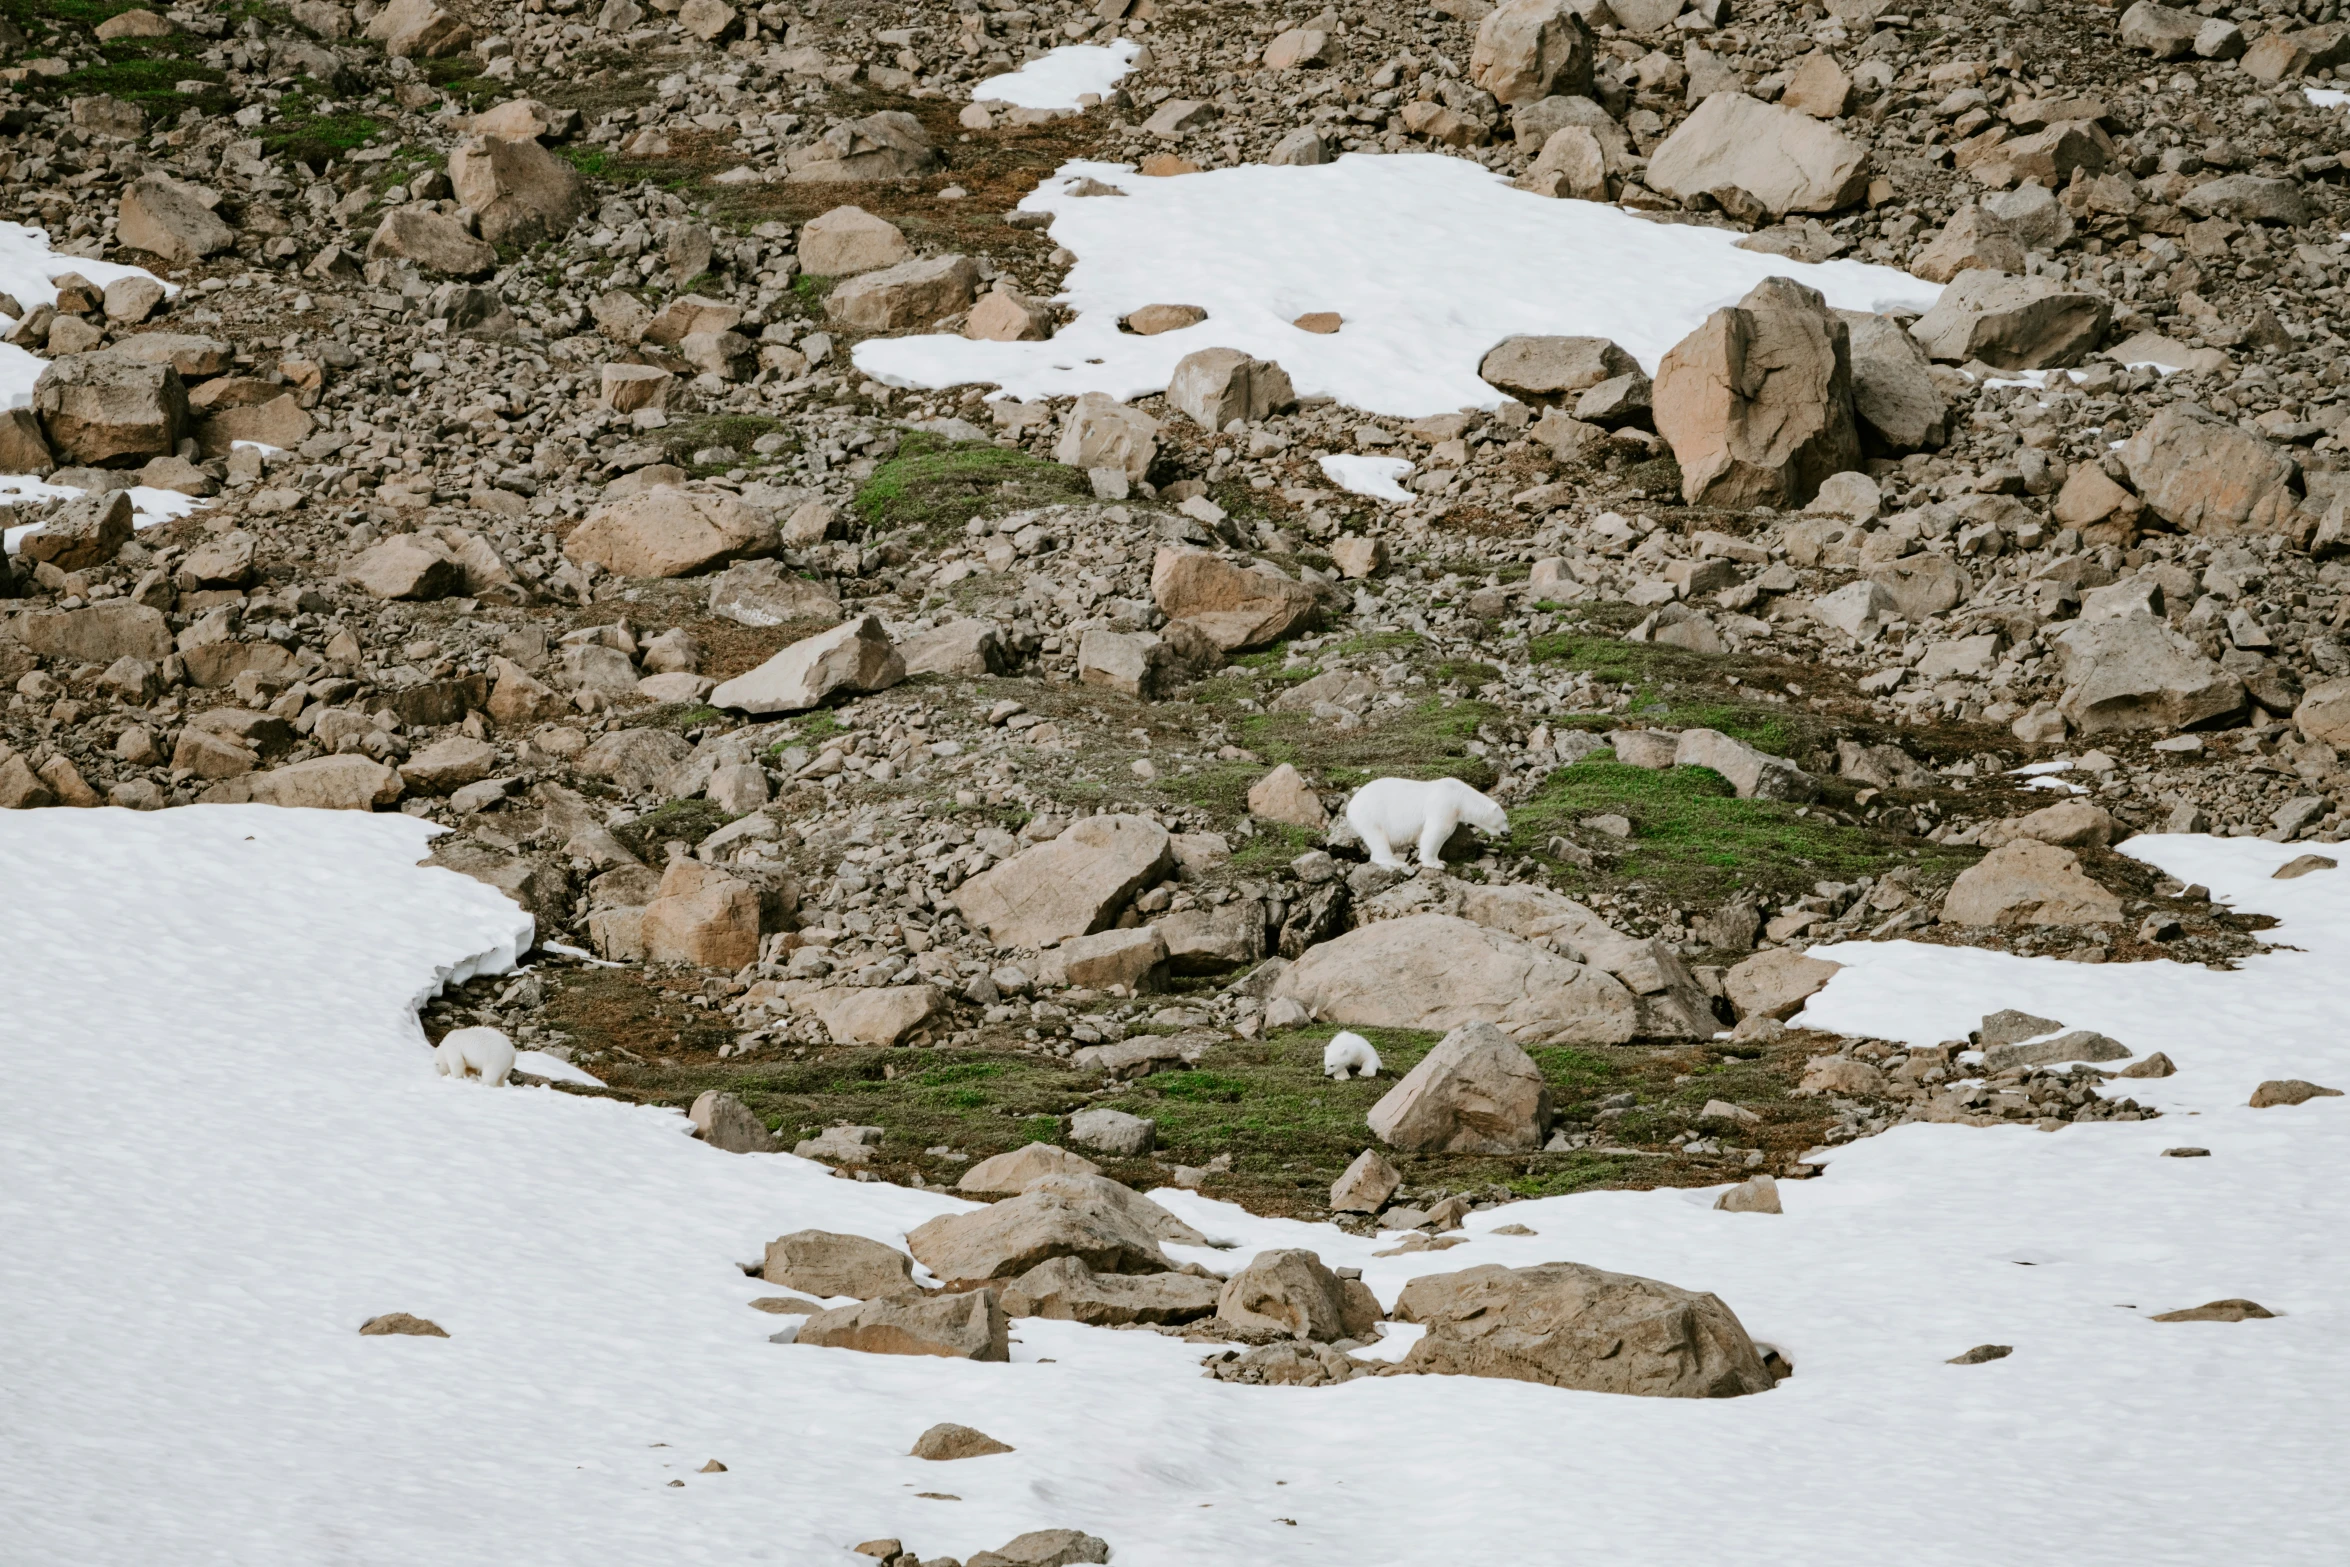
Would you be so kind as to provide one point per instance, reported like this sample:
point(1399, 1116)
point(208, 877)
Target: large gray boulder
point(968, 1325)
point(1065, 1289)
point(2029, 883)
point(1893, 391)
point(1476, 1092)
point(1072, 886)
point(110, 410)
point(1218, 385)
point(1744, 152)
point(1670, 1001)
point(1757, 402)
point(1438, 971)
point(1290, 1291)
point(521, 192)
point(166, 218)
point(1568, 1325)
point(2202, 474)
point(1233, 607)
point(856, 655)
point(1010, 1174)
point(890, 145)
point(1755, 775)
point(2014, 323)
point(1061, 1216)
point(1546, 369)
point(2135, 672)
point(820, 1262)
point(667, 532)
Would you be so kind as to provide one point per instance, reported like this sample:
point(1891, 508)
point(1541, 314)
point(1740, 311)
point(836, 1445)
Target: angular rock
point(2159, 30)
point(1756, 1194)
point(829, 1265)
point(2324, 713)
point(1781, 160)
point(2289, 1091)
point(1218, 385)
point(947, 1441)
point(1776, 983)
point(2204, 475)
point(1974, 239)
point(1072, 886)
point(1544, 370)
point(1755, 775)
point(2029, 883)
point(1283, 795)
point(2249, 198)
point(109, 410)
point(521, 192)
point(2014, 323)
point(1066, 1290)
point(637, 761)
point(1237, 609)
point(879, 1016)
point(849, 240)
point(854, 656)
point(1290, 1291)
point(1476, 1092)
point(1136, 663)
point(1436, 971)
point(85, 531)
point(329, 783)
point(910, 294)
point(703, 917)
point(433, 242)
point(1102, 432)
point(890, 145)
point(1010, 1237)
point(1114, 1132)
point(449, 764)
point(1527, 50)
point(1009, 1174)
point(1757, 403)
point(1572, 165)
point(2081, 1044)
point(167, 218)
point(727, 1124)
point(1366, 1185)
point(2137, 673)
point(1132, 958)
point(669, 532)
point(419, 30)
point(960, 647)
point(965, 1326)
point(1568, 1325)
point(96, 633)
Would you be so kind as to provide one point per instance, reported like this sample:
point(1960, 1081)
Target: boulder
point(855, 656)
point(1290, 1291)
point(1283, 795)
point(2135, 672)
point(1066, 1290)
point(1755, 775)
point(1757, 403)
point(1216, 939)
point(965, 1326)
point(2324, 713)
point(1669, 1000)
point(1776, 983)
point(879, 1016)
point(829, 1265)
point(1114, 1132)
point(2069, 824)
point(849, 240)
point(1235, 608)
point(637, 761)
point(399, 1323)
point(1546, 370)
point(767, 593)
point(1135, 663)
point(2081, 1044)
point(449, 764)
point(890, 145)
point(1476, 1092)
point(419, 30)
point(2203, 474)
point(627, 388)
point(1218, 385)
point(329, 783)
point(406, 566)
point(910, 294)
point(730, 1126)
point(702, 917)
point(2249, 198)
point(110, 410)
point(1009, 1174)
point(2159, 30)
point(280, 422)
point(2014, 323)
point(2289, 1091)
point(1072, 886)
point(1005, 315)
point(1527, 50)
point(85, 531)
point(946, 1441)
point(166, 218)
point(1045, 1548)
point(668, 532)
point(23, 448)
point(431, 241)
point(1571, 165)
point(1568, 1325)
point(1923, 585)
point(1102, 432)
point(960, 647)
point(521, 192)
point(184, 352)
point(1366, 1185)
point(96, 633)
point(1755, 1194)
point(2028, 883)
point(1134, 958)
point(1060, 1216)
point(1747, 153)
point(1973, 240)
point(1439, 972)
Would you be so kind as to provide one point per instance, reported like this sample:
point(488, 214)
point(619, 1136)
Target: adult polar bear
point(1390, 811)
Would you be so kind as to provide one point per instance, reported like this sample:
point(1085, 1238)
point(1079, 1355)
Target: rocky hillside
point(926, 767)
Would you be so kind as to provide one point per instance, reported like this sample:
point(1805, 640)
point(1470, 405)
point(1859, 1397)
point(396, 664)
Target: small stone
point(947, 1441)
point(1982, 1353)
point(2186, 1153)
point(2234, 1310)
point(2289, 1091)
point(402, 1323)
point(1756, 1194)
point(2302, 865)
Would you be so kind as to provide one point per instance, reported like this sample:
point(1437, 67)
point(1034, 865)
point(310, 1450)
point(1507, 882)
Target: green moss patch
point(934, 487)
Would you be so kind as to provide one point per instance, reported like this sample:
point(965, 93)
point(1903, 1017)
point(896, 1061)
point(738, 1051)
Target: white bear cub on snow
point(475, 1052)
point(1389, 811)
point(1349, 1054)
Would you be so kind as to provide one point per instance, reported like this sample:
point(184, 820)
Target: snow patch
point(1430, 260)
point(1061, 76)
point(1381, 478)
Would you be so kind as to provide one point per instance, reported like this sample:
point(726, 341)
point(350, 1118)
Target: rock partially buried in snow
point(2301, 865)
point(947, 1441)
point(855, 656)
point(965, 1326)
point(1045, 1548)
point(2289, 1091)
point(1755, 1194)
point(822, 1263)
point(401, 1323)
point(2238, 1310)
point(2081, 1044)
point(1290, 1291)
point(1063, 1216)
point(726, 1123)
point(1476, 1092)
point(1567, 1325)
point(2029, 883)
point(1436, 971)
point(1009, 1174)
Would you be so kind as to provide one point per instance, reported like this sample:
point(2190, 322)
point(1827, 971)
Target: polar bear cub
point(1389, 811)
point(1349, 1054)
point(475, 1052)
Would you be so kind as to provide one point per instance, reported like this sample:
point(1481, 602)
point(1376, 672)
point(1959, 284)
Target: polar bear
point(1390, 811)
point(475, 1052)
point(1349, 1054)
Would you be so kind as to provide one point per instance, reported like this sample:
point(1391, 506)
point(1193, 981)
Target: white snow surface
point(1430, 260)
point(225, 1148)
point(28, 266)
point(1062, 75)
point(149, 505)
point(1379, 477)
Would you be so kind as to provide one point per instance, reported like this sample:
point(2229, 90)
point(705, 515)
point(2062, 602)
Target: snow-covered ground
point(1384, 241)
point(224, 1147)
point(1060, 76)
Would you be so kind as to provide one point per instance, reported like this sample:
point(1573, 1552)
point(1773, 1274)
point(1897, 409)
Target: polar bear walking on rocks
point(1390, 811)
point(485, 1053)
point(1349, 1054)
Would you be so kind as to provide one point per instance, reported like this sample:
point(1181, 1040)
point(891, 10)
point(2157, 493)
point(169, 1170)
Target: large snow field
point(1430, 260)
point(223, 1148)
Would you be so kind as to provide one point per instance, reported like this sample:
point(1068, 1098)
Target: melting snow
point(1061, 76)
point(1379, 477)
point(1430, 261)
point(225, 1148)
